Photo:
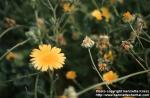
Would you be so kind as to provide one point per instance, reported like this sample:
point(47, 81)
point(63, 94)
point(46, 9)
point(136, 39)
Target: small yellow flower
point(97, 14)
point(11, 56)
point(108, 56)
point(87, 42)
point(68, 7)
point(47, 57)
point(127, 17)
point(109, 76)
point(71, 75)
point(105, 13)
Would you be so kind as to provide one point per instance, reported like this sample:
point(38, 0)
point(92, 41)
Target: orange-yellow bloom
point(68, 7)
point(71, 75)
point(11, 56)
point(97, 14)
point(47, 57)
point(109, 76)
point(128, 17)
point(105, 13)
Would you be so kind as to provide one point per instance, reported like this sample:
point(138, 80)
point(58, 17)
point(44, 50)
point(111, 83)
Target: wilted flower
point(97, 14)
point(110, 76)
point(71, 75)
point(9, 22)
point(47, 57)
point(41, 25)
point(102, 66)
point(128, 17)
point(140, 24)
point(126, 45)
point(70, 92)
point(87, 42)
point(105, 13)
point(103, 42)
point(61, 40)
point(11, 56)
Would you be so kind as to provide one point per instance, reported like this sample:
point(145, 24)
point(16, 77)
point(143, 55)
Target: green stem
point(77, 83)
point(136, 35)
point(25, 76)
point(95, 68)
point(36, 86)
point(14, 47)
point(51, 73)
point(117, 80)
point(137, 60)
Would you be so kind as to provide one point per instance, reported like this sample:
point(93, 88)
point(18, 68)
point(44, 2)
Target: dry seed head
point(140, 24)
point(87, 42)
point(70, 92)
point(126, 45)
point(103, 42)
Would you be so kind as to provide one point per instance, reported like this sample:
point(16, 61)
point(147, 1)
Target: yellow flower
point(71, 75)
point(108, 56)
point(127, 17)
point(97, 14)
point(109, 76)
point(67, 7)
point(105, 13)
point(11, 56)
point(47, 57)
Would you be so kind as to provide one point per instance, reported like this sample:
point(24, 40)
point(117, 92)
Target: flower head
point(108, 56)
point(68, 7)
point(87, 42)
point(103, 42)
point(105, 13)
point(97, 14)
point(128, 17)
point(109, 76)
point(11, 56)
point(70, 92)
point(71, 75)
point(47, 57)
point(102, 66)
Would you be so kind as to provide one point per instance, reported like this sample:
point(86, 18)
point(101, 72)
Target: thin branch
point(14, 47)
point(117, 80)
point(18, 78)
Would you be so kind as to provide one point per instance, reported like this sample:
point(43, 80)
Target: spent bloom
point(71, 75)
point(103, 42)
point(97, 14)
point(70, 92)
point(128, 17)
point(87, 42)
point(110, 76)
point(47, 57)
